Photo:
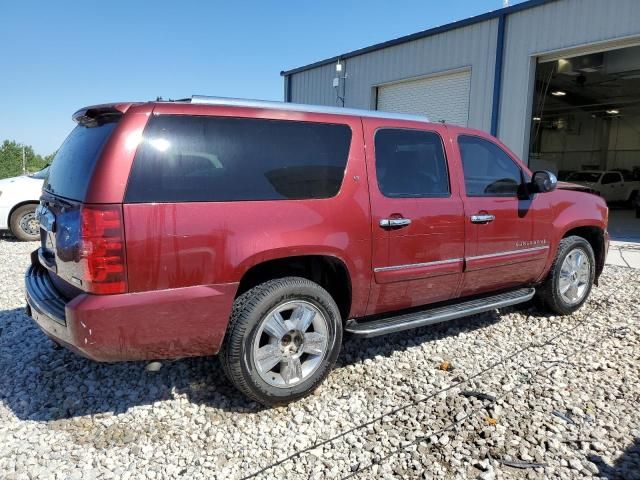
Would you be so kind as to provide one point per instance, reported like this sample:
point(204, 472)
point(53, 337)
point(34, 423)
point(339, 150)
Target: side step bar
point(383, 326)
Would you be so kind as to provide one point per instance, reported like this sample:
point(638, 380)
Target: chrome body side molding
point(508, 252)
point(417, 265)
point(455, 260)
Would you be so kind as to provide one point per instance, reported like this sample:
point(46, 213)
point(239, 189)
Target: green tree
point(49, 158)
point(11, 159)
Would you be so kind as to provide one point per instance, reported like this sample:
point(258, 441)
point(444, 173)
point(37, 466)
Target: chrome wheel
point(29, 224)
point(575, 275)
point(290, 343)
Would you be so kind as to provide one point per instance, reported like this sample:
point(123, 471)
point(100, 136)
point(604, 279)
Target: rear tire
point(23, 223)
point(284, 336)
point(570, 278)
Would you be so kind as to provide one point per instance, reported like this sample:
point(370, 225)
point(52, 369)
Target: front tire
point(570, 278)
point(284, 336)
point(23, 223)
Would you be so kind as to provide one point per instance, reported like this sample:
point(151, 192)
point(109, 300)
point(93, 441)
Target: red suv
point(261, 231)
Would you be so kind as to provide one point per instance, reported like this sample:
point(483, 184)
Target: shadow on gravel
point(356, 350)
point(7, 237)
point(626, 466)
point(41, 383)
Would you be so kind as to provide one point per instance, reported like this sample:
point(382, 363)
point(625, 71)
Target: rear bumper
point(172, 323)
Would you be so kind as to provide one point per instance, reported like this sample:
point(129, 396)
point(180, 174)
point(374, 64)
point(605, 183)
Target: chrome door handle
point(394, 222)
point(482, 218)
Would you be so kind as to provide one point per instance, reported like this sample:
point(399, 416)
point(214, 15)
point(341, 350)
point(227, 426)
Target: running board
point(383, 326)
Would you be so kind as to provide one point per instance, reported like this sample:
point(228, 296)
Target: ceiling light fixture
point(536, 119)
point(558, 93)
point(613, 111)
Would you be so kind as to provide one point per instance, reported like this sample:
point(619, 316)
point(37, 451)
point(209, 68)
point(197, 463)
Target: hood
point(17, 182)
point(578, 186)
point(579, 182)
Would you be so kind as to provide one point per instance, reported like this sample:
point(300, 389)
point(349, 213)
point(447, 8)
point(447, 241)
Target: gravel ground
point(515, 394)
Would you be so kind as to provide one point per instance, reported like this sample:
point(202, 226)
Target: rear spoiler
point(99, 114)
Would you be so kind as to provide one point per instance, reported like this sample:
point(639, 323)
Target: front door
point(417, 215)
point(612, 187)
point(501, 250)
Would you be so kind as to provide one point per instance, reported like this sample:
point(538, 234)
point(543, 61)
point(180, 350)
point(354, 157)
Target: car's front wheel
point(571, 276)
point(24, 224)
point(283, 339)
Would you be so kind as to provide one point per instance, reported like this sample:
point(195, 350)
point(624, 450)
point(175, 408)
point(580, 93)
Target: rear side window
point(611, 178)
point(71, 168)
point(209, 159)
point(410, 164)
point(488, 170)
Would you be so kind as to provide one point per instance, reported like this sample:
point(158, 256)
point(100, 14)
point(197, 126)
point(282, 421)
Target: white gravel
point(563, 395)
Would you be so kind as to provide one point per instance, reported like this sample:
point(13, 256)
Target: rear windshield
point(72, 166)
point(212, 159)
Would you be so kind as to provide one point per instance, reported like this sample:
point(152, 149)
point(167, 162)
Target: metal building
point(557, 80)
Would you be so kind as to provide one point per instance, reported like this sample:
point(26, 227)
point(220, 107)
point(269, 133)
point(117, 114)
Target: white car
point(19, 197)
point(611, 185)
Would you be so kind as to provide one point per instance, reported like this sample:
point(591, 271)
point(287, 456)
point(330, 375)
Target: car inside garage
point(585, 124)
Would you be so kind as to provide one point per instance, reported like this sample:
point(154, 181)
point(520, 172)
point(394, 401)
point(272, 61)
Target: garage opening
point(586, 121)
point(585, 128)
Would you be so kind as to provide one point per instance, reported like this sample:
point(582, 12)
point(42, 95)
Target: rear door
point(417, 216)
point(65, 189)
point(501, 250)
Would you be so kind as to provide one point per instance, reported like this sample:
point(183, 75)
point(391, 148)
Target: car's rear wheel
point(283, 339)
point(571, 276)
point(24, 224)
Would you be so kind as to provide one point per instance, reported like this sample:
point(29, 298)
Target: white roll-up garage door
point(442, 97)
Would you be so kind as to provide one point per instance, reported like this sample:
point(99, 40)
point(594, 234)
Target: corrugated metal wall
point(315, 86)
point(472, 46)
point(531, 32)
point(555, 26)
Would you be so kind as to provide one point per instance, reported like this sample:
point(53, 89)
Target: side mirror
point(543, 181)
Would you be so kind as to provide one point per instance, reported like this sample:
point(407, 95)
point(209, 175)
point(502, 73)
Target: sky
point(60, 56)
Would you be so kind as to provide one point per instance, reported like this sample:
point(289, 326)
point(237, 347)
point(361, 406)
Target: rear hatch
point(82, 245)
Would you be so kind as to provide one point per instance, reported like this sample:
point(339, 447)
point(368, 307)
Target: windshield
point(41, 174)
point(591, 177)
point(72, 166)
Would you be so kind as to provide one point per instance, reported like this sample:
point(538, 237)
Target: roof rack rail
point(299, 107)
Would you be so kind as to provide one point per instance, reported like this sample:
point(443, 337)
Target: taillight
point(102, 251)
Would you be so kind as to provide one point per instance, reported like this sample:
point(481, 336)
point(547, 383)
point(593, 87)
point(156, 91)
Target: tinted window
point(191, 159)
point(410, 163)
point(611, 178)
point(627, 175)
point(488, 170)
point(71, 169)
point(592, 177)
